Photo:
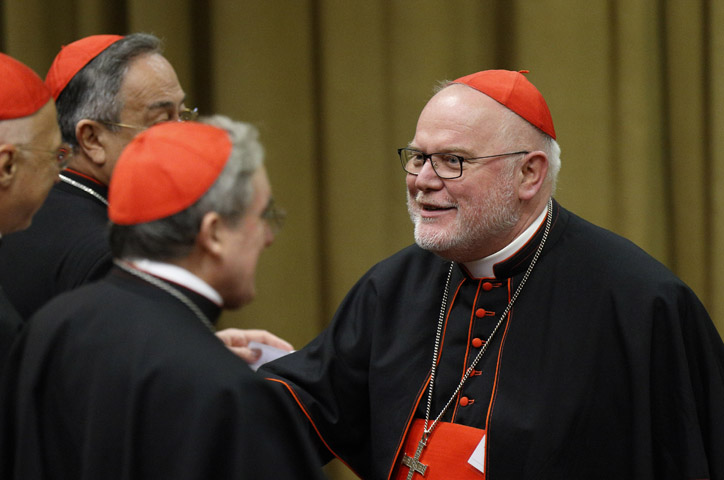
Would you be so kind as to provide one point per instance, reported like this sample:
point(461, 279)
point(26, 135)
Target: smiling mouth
point(430, 205)
point(435, 208)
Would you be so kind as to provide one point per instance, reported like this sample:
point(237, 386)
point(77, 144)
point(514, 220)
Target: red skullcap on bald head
point(165, 170)
point(516, 93)
point(73, 57)
point(22, 92)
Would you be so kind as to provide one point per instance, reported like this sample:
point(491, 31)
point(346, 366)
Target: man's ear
point(533, 172)
point(90, 137)
point(8, 164)
point(211, 234)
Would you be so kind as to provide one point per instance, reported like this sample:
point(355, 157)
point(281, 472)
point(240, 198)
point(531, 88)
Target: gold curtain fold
point(335, 86)
point(715, 182)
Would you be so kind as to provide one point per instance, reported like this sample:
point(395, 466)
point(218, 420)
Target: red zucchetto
point(22, 92)
point(73, 57)
point(165, 170)
point(516, 93)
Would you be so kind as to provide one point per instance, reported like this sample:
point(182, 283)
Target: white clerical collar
point(178, 275)
point(483, 268)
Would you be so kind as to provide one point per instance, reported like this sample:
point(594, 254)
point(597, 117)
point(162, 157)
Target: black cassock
point(66, 246)
point(10, 324)
point(607, 367)
point(120, 380)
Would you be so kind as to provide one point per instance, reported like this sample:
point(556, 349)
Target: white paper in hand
point(267, 354)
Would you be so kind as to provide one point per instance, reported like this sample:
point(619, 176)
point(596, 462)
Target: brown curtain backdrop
point(335, 86)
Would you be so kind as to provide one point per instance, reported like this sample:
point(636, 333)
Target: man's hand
point(237, 340)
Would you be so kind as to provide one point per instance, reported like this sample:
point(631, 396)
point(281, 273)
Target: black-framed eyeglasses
point(62, 156)
point(445, 165)
point(274, 216)
point(185, 115)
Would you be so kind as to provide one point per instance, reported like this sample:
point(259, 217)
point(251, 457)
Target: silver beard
point(474, 226)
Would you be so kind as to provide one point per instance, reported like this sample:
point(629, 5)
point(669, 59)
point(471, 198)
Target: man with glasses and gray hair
point(124, 377)
point(515, 340)
point(108, 89)
point(96, 81)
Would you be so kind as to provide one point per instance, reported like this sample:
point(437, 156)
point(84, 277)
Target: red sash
point(446, 454)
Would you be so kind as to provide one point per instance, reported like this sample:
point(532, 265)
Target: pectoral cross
point(414, 462)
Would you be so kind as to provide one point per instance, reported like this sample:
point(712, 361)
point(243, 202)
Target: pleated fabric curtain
point(335, 86)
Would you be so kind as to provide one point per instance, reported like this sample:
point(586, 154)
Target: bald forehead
point(40, 125)
point(460, 110)
point(460, 115)
point(459, 99)
point(150, 87)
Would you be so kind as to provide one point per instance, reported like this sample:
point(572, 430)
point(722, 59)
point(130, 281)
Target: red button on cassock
point(487, 286)
point(477, 343)
point(464, 401)
point(480, 312)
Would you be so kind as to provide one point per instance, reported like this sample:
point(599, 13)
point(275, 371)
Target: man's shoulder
point(609, 254)
point(409, 261)
point(140, 317)
point(68, 206)
point(78, 303)
point(61, 222)
point(410, 255)
point(68, 231)
point(158, 342)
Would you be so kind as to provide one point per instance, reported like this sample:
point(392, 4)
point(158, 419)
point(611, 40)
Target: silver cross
point(414, 463)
